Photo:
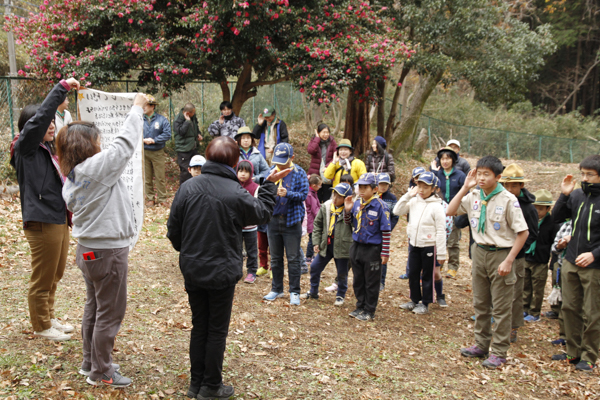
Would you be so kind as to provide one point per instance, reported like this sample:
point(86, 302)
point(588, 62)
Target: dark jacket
point(526, 200)
point(40, 183)
point(157, 128)
point(186, 133)
point(543, 244)
point(461, 164)
point(584, 209)
point(259, 133)
point(314, 149)
point(379, 163)
point(206, 221)
point(457, 180)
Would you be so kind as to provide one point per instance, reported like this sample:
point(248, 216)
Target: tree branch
point(265, 83)
point(581, 82)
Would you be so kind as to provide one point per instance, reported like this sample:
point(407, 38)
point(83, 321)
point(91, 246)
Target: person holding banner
point(211, 259)
point(45, 217)
point(103, 222)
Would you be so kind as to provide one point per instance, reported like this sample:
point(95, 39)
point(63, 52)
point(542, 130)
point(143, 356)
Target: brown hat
point(513, 173)
point(151, 100)
point(543, 198)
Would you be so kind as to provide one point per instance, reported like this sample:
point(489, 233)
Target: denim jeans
point(282, 237)
point(310, 252)
point(319, 264)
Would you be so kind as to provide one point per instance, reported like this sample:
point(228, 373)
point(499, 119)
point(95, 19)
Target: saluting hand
point(567, 185)
point(348, 203)
point(471, 180)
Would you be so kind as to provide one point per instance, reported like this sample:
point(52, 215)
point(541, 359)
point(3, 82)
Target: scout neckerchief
point(335, 213)
point(61, 114)
point(149, 117)
point(363, 204)
point(534, 244)
point(245, 156)
point(484, 200)
point(447, 174)
point(280, 182)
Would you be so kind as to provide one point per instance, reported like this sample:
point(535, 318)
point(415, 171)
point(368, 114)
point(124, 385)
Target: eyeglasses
point(588, 175)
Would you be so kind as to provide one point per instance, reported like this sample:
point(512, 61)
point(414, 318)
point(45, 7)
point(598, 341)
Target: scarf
point(447, 175)
point(245, 156)
point(61, 114)
point(363, 204)
point(228, 117)
point(534, 244)
point(484, 200)
point(335, 213)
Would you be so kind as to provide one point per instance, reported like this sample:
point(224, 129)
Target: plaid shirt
point(565, 230)
point(296, 195)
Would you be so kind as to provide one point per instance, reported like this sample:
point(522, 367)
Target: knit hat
point(513, 173)
point(381, 141)
point(543, 198)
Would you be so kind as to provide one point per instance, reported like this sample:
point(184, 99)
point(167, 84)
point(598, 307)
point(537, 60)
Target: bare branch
point(583, 79)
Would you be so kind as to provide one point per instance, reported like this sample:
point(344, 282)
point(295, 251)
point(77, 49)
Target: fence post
point(540, 150)
point(571, 150)
point(202, 104)
point(127, 86)
point(469, 142)
point(507, 146)
point(171, 110)
point(429, 130)
point(10, 107)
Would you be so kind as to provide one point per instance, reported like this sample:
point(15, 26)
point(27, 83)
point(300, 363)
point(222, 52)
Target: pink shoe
point(332, 288)
point(250, 278)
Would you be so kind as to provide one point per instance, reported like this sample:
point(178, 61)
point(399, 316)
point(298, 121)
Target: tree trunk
point(381, 109)
point(402, 139)
point(392, 124)
point(313, 115)
point(337, 109)
point(357, 123)
point(577, 66)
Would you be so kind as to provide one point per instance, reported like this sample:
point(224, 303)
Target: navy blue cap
point(384, 178)
point(417, 171)
point(427, 178)
point(343, 189)
point(367, 179)
point(282, 153)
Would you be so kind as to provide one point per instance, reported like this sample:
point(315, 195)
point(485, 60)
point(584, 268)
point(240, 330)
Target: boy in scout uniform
point(513, 180)
point(370, 220)
point(499, 231)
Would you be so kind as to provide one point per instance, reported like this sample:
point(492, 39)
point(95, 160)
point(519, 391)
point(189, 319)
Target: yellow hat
point(513, 173)
point(543, 198)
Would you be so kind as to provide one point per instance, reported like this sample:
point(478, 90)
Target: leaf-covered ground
point(275, 351)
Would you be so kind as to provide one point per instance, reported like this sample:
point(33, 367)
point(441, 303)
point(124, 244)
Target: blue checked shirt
point(297, 190)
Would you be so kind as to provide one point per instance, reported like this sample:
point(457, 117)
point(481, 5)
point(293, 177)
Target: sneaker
point(339, 301)
point(272, 296)
point(192, 392)
point(86, 372)
point(355, 313)
point(309, 295)
point(262, 271)
point(250, 278)
point(566, 357)
point(525, 314)
point(332, 288)
point(65, 328)
point(403, 276)
point(493, 362)
point(442, 303)
point(473, 351)
point(304, 269)
point(451, 273)
point(223, 392)
point(514, 334)
point(408, 306)
point(550, 315)
point(52, 334)
point(381, 287)
point(531, 318)
point(308, 260)
point(584, 366)
point(270, 274)
point(559, 342)
point(294, 299)
point(421, 309)
point(116, 380)
point(365, 316)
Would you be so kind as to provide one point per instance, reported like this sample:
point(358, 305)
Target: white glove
point(555, 296)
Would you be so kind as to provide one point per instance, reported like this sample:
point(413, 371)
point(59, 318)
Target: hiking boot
point(86, 372)
point(473, 351)
point(550, 315)
point(584, 366)
point(493, 362)
point(272, 296)
point(566, 357)
point(451, 273)
point(250, 278)
point(355, 313)
point(116, 380)
point(223, 392)
point(513, 335)
point(294, 299)
point(309, 295)
point(531, 318)
point(365, 316)
point(403, 276)
point(53, 334)
point(65, 328)
point(559, 342)
point(332, 288)
point(262, 271)
point(339, 301)
point(421, 309)
point(408, 306)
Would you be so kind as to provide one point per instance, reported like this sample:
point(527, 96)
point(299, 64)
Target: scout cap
point(244, 130)
point(543, 198)
point(417, 171)
point(384, 178)
point(267, 112)
point(513, 173)
point(343, 189)
point(449, 151)
point(197, 161)
point(453, 141)
point(151, 100)
point(427, 178)
point(282, 153)
point(367, 179)
point(345, 143)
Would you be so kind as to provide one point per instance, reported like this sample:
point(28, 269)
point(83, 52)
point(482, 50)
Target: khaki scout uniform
point(492, 293)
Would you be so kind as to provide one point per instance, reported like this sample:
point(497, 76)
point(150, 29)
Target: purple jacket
point(312, 209)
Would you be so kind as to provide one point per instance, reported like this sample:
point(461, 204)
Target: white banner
point(108, 112)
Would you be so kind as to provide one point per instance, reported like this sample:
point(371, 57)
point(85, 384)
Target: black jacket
point(39, 181)
point(584, 209)
point(543, 244)
point(206, 221)
point(185, 133)
point(531, 217)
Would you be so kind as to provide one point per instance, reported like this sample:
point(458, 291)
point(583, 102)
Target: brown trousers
point(106, 290)
point(154, 168)
point(49, 245)
point(517, 305)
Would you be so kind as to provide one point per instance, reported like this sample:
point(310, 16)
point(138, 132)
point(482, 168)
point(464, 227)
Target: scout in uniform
point(499, 231)
point(370, 220)
point(513, 180)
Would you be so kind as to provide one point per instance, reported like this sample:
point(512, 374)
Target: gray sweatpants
point(106, 290)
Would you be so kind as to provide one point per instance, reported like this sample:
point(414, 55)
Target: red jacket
point(314, 149)
point(312, 209)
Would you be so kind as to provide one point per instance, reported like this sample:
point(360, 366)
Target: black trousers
point(365, 260)
point(211, 312)
point(421, 259)
point(251, 243)
point(183, 160)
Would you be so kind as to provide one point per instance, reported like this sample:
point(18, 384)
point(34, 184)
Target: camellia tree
point(325, 47)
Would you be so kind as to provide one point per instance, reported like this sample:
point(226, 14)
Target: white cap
point(453, 141)
point(197, 161)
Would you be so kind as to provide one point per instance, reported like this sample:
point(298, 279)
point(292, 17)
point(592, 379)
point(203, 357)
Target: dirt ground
point(274, 351)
